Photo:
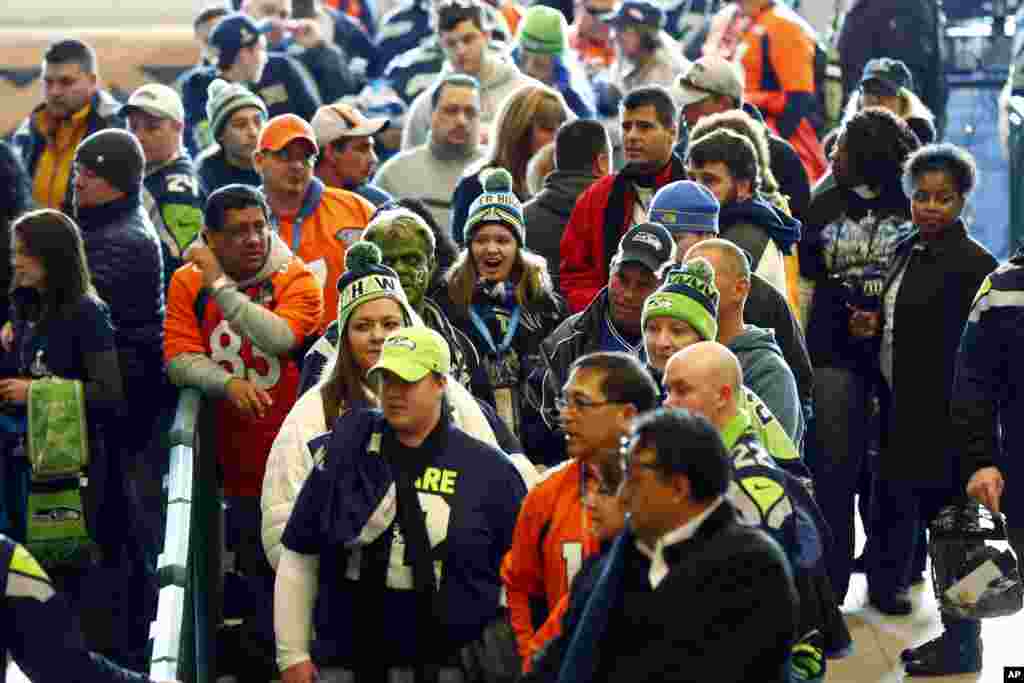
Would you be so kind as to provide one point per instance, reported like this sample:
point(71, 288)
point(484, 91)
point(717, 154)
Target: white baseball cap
point(709, 77)
point(156, 99)
point(341, 120)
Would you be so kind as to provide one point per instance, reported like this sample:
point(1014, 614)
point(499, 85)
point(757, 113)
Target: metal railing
point(182, 634)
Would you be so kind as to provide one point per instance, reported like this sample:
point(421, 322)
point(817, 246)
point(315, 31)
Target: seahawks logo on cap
point(667, 217)
point(656, 303)
point(648, 238)
point(402, 341)
point(245, 35)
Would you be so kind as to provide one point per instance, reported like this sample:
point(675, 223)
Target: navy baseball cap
point(648, 244)
point(889, 75)
point(232, 33)
point(633, 12)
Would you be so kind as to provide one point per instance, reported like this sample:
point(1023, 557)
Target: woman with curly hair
point(931, 282)
point(500, 295)
point(527, 121)
point(858, 214)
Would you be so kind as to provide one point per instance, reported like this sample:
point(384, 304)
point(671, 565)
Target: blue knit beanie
point(685, 206)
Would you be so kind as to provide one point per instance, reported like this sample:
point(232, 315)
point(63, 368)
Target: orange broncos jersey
point(551, 539)
point(242, 442)
point(336, 224)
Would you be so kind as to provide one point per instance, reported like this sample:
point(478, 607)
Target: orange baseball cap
point(282, 129)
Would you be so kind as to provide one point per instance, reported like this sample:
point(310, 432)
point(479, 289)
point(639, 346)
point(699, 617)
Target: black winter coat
point(127, 268)
point(932, 305)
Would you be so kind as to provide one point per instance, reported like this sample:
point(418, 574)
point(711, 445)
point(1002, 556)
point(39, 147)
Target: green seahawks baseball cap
point(412, 353)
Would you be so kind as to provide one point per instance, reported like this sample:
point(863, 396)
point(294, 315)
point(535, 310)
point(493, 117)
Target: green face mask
point(409, 258)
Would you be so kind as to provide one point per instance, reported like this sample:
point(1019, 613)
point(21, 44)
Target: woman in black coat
point(927, 296)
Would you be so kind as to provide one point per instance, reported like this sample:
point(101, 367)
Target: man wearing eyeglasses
point(686, 592)
point(317, 222)
point(605, 391)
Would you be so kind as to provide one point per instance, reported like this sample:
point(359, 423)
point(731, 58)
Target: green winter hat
point(544, 30)
point(498, 204)
point(688, 294)
point(224, 99)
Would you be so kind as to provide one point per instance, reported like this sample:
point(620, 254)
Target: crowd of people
point(517, 328)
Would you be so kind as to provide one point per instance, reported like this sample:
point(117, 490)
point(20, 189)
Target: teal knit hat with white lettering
point(688, 294)
point(365, 279)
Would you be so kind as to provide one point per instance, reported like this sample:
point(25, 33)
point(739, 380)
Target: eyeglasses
point(579, 404)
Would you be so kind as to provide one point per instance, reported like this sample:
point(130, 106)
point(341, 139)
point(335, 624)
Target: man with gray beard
point(430, 172)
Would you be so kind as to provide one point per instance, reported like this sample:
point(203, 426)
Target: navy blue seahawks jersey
point(174, 200)
point(470, 494)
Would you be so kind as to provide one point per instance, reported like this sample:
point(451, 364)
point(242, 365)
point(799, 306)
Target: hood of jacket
point(562, 189)
point(784, 230)
point(503, 72)
point(755, 341)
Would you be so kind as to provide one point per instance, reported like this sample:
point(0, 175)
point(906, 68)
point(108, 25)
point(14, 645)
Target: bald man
point(765, 370)
point(706, 379)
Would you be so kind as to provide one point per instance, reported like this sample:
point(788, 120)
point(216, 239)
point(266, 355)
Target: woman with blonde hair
point(527, 121)
point(500, 295)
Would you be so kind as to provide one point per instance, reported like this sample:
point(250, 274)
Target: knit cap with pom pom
point(223, 99)
point(366, 278)
point(688, 294)
point(498, 204)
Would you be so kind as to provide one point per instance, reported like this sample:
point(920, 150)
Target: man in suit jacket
point(684, 547)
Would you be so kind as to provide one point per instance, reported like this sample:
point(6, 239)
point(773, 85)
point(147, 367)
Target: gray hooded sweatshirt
point(269, 332)
point(767, 374)
point(505, 77)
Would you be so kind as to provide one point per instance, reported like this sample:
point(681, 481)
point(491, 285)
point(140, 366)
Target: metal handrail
point(180, 640)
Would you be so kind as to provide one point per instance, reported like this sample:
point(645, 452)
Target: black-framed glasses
point(579, 404)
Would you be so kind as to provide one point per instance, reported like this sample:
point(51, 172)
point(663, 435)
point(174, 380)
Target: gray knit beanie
point(223, 99)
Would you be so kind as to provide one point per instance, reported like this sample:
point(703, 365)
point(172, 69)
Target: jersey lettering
point(183, 184)
point(437, 512)
point(572, 553)
point(242, 358)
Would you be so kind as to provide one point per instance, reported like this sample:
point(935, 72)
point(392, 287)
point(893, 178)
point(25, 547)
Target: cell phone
point(303, 9)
